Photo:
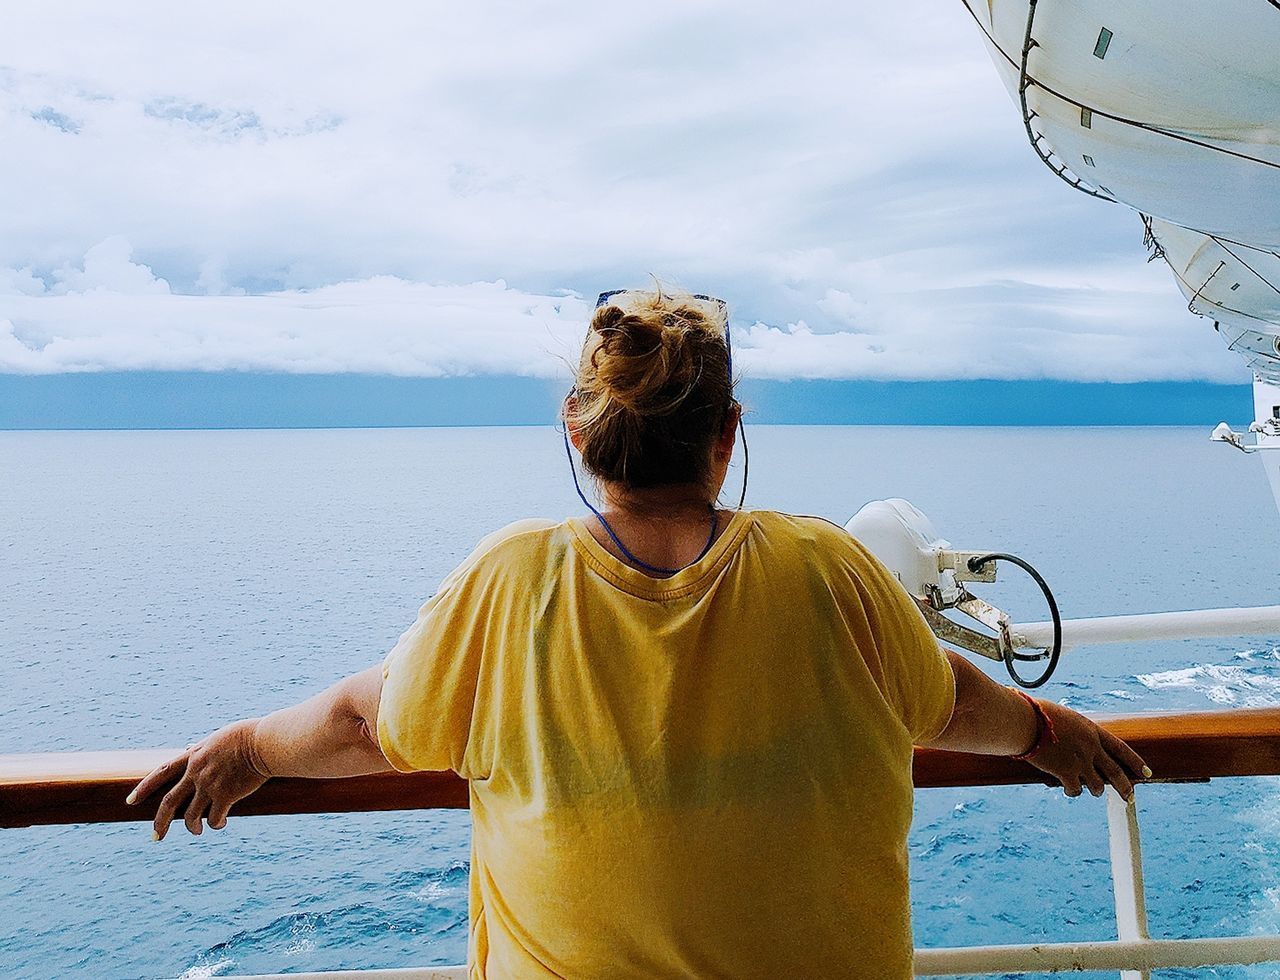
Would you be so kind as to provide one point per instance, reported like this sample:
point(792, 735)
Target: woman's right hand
point(212, 775)
point(331, 734)
point(1086, 755)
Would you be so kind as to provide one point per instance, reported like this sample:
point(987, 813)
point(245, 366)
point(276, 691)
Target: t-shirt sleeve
point(918, 680)
point(429, 684)
point(427, 716)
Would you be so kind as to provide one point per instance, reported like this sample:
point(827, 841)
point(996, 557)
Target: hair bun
point(653, 389)
point(647, 363)
point(606, 318)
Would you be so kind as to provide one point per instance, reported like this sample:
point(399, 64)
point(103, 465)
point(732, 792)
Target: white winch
point(936, 576)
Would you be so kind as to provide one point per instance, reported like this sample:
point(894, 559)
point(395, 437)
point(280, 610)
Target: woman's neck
point(672, 504)
point(663, 528)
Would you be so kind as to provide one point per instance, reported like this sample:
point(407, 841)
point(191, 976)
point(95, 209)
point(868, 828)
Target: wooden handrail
point(90, 787)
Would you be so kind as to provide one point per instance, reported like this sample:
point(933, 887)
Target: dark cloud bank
point(181, 399)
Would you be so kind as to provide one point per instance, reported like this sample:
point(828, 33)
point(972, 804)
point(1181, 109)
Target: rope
point(1149, 240)
point(1024, 82)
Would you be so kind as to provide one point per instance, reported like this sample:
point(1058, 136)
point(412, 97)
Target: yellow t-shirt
point(707, 775)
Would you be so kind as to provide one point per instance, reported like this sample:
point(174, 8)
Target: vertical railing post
point(1126, 875)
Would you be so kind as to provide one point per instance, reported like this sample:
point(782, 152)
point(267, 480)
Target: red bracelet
point(1045, 735)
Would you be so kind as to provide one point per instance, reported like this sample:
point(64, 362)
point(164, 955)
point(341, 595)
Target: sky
point(429, 190)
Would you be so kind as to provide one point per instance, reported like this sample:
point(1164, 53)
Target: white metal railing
point(1149, 627)
point(1133, 953)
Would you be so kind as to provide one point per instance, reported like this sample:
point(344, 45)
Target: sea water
point(154, 585)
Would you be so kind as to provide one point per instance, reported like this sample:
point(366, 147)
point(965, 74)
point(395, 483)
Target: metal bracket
point(958, 562)
point(1224, 433)
point(949, 631)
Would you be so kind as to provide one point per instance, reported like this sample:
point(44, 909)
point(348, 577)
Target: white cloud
point(381, 325)
point(109, 268)
point(294, 187)
point(114, 314)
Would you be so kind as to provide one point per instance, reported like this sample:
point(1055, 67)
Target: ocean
point(156, 584)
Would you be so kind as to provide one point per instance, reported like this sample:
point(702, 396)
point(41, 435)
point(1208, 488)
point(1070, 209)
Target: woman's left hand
point(1084, 756)
point(213, 774)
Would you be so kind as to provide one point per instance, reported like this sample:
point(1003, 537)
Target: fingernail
point(132, 798)
point(1146, 771)
point(155, 835)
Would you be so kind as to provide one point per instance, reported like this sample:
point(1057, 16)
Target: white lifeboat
point(1171, 107)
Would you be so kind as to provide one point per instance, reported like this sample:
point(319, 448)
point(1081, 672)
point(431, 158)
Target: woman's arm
point(990, 719)
point(334, 733)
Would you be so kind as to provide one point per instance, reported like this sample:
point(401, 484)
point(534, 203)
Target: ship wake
point(1251, 681)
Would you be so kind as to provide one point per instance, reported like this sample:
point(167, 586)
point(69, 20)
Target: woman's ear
point(729, 432)
point(571, 421)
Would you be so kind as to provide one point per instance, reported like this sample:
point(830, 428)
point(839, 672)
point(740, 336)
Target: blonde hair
point(653, 388)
